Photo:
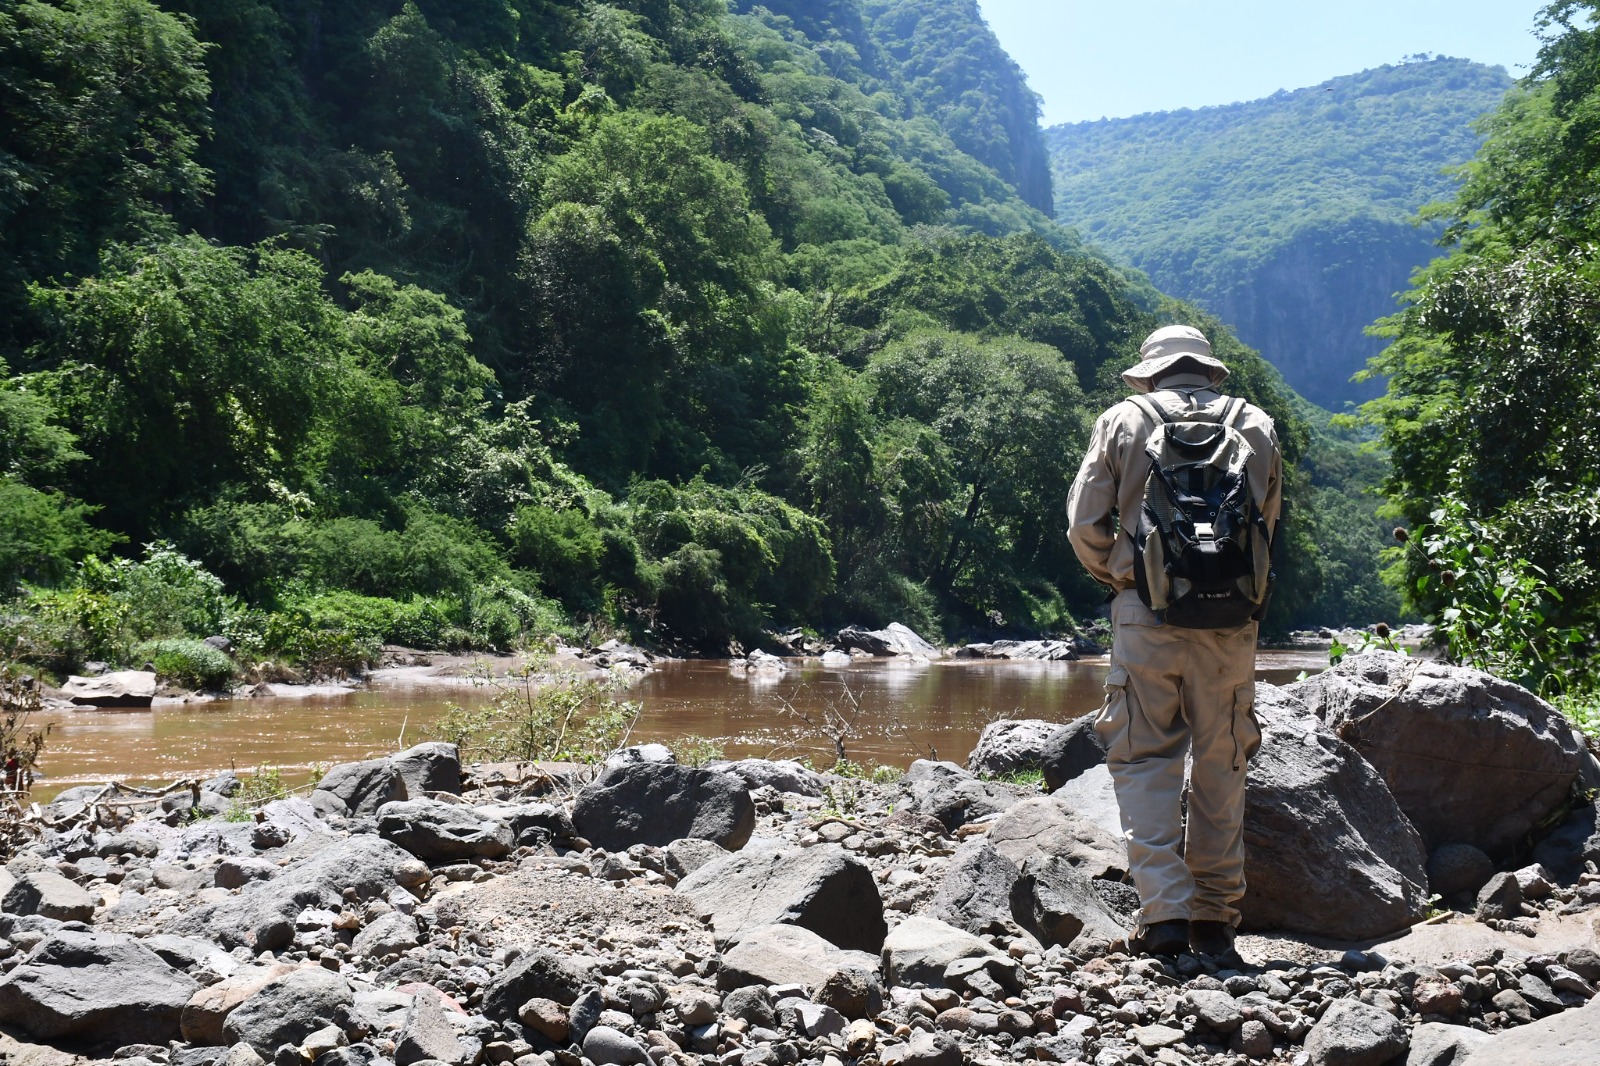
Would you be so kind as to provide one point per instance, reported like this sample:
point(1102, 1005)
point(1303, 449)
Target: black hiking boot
point(1212, 938)
point(1169, 939)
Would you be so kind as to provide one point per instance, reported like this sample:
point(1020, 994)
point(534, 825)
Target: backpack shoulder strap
point(1231, 412)
point(1149, 407)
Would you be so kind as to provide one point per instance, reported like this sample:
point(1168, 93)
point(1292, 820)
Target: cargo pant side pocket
point(1115, 719)
point(1246, 726)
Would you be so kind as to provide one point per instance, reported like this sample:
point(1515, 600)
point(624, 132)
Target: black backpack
point(1202, 553)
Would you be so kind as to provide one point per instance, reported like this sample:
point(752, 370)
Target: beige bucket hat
point(1165, 349)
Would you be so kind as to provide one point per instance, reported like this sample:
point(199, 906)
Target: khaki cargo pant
point(1174, 692)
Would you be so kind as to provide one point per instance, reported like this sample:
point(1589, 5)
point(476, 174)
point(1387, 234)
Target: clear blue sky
point(1094, 59)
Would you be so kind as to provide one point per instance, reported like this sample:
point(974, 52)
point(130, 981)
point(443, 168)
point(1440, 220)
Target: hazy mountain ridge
point(1290, 217)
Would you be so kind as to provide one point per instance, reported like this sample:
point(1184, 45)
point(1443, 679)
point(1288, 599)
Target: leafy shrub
point(563, 547)
point(431, 555)
point(534, 716)
point(190, 663)
point(421, 623)
point(261, 787)
point(697, 751)
point(330, 652)
point(60, 630)
point(42, 533)
point(500, 615)
point(1494, 604)
point(167, 594)
point(725, 555)
point(369, 618)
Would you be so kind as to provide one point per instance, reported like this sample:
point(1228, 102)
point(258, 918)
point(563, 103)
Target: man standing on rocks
point(1172, 690)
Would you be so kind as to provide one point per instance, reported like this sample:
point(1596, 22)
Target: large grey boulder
point(431, 767)
point(426, 1035)
point(289, 1009)
point(824, 889)
point(1057, 903)
point(785, 775)
point(656, 803)
point(1438, 1044)
point(443, 832)
point(949, 793)
point(95, 987)
point(923, 949)
point(207, 1010)
point(1470, 759)
point(1566, 1039)
point(1092, 796)
point(388, 934)
point(40, 890)
point(262, 916)
point(1352, 1033)
point(975, 894)
point(1071, 750)
point(1327, 850)
point(1010, 746)
point(1039, 651)
point(1043, 826)
point(119, 688)
point(788, 955)
point(894, 639)
point(363, 787)
point(538, 974)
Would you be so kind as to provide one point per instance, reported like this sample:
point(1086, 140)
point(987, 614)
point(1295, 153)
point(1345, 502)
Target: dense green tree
point(102, 106)
point(1490, 409)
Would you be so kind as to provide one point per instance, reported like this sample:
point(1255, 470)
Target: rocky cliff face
point(1289, 217)
point(1305, 308)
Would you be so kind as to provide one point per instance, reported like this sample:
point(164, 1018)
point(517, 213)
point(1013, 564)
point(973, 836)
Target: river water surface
point(906, 711)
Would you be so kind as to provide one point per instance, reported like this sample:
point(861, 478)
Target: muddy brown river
point(906, 711)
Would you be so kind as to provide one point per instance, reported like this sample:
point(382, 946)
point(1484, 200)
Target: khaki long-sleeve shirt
point(1111, 481)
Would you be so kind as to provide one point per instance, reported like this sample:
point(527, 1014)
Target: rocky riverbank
point(411, 910)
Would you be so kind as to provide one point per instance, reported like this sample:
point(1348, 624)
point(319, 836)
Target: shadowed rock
point(1327, 850)
point(441, 832)
point(656, 803)
point(95, 987)
point(949, 793)
point(824, 889)
point(1469, 758)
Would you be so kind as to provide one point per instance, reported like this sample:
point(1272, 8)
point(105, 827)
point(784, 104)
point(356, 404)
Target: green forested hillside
point(459, 323)
point(1292, 217)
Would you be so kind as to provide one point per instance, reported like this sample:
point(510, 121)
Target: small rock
point(923, 1049)
point(1216, 1009)
point(606, 1046)
point(1510, 1003)
point(1253, 1040)
point(545, 1017)
point(1156, 1037)
point(1500, 899)
point(1352, 1033)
